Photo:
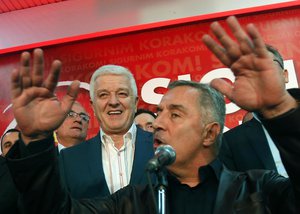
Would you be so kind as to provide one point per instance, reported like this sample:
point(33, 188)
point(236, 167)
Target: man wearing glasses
point(74, 128)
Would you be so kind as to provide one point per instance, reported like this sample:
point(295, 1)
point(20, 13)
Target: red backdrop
point(157, 56)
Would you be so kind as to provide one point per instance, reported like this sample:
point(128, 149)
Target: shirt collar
point(213, 169)
point(60, 146)
point(130, 134)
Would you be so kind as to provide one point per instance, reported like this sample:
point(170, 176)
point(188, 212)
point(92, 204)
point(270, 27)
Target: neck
point(68, 142)
point(188, 173)
point(118, 140)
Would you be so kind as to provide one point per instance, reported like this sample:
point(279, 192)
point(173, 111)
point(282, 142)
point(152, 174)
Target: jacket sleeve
point(285, 132)
point(35, 170)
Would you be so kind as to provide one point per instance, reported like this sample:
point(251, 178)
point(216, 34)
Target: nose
point(78, 118)
point(113, 100)
point(158, 123)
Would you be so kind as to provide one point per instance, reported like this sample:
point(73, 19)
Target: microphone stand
point(161, 190)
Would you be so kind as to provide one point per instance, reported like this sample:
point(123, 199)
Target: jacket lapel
point(95, 160)
point(143, 152)
point(258, 141)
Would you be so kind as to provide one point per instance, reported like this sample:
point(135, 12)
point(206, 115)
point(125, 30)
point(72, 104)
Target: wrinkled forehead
point(182, 95)
point(103, 82)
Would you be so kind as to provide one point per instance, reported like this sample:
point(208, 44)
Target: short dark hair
point(144, 111)
point(276, 54)
point(8, 131)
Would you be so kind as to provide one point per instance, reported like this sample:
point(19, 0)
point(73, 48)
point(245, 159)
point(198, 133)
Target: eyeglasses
point(280, 63)
point(83, 116)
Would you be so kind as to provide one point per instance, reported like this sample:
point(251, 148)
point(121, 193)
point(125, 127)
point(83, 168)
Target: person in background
point(190, 119)
point(249, 145)
point(8, 139)
point(74, 128)
point(117, 155)
point(144, 119)
point(8, 193)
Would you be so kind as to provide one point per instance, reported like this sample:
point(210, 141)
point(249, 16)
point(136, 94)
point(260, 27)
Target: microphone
point(164, 155)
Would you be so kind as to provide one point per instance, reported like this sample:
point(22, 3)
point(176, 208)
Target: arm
point(257, 88)
point(38, 113)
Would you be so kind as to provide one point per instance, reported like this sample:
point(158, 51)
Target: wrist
point(27, 139)
point(287, 104)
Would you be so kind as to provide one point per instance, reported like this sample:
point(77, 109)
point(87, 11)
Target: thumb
point(222, 86)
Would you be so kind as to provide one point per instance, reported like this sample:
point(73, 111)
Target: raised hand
point(37, 110)
point(257, 85)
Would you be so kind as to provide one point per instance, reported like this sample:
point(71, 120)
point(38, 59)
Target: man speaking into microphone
point(190, 119)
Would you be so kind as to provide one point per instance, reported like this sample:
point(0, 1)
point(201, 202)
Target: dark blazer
point(8, 192)
point(246, 147)
point(82, 167)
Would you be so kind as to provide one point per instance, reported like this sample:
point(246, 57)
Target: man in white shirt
point(118, 154)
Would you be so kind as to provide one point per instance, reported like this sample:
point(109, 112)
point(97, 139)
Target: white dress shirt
point(275, 153)
point(117, 163)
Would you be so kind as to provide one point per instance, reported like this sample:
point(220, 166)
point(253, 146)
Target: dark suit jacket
point(82, 167)
point(246, 147)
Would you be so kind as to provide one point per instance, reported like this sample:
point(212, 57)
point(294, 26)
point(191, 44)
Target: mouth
point(77, 128)
point(115, 112)
point(157, 142)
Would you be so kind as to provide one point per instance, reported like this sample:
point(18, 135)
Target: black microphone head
point(168, 151)
point(164, 155)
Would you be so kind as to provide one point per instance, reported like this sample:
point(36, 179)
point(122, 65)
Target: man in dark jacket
point(190, 119)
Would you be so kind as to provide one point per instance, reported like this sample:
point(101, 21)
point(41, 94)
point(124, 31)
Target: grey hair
point(212, 104)
point(112, 69)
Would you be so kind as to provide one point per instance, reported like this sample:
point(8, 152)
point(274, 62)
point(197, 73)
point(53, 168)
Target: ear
point(211, 132)
point(286, 75)
point(136, 103)
point(92, 104)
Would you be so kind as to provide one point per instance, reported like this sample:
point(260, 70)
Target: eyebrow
point(6, 143)
point(79, 112)
point(174, 107)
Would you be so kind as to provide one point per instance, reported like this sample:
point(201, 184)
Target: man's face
point(74, 127)
point(145, 121)
point(114, 103)
point(180, 125)
point(8, 141)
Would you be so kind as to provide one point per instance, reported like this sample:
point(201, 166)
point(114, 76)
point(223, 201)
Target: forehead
point(112, 81)
point(144, 116)
point(181, 95)
point(77, 108)
point(11, 136)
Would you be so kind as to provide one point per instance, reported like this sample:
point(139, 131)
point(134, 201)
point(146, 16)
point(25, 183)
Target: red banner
point(156, 57)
